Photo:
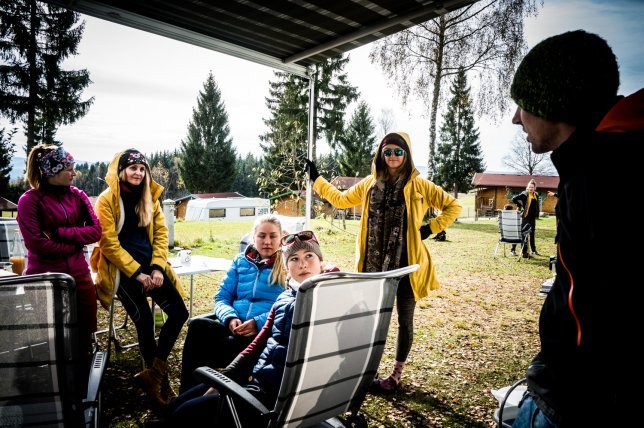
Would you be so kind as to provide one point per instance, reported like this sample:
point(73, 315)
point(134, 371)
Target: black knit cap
point(132, 157)
point(572, 77)
point(396, 139)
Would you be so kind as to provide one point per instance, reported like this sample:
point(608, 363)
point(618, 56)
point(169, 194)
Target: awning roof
point(287, 35)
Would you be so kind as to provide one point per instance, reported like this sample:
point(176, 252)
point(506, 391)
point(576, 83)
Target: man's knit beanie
point(572, 77)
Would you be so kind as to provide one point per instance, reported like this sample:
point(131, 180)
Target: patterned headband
point(54, 161)
point(132, 157)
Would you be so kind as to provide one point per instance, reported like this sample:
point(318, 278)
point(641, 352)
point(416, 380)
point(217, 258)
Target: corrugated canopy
point(287, 35)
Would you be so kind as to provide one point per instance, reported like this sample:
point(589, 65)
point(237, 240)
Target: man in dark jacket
point(566, 92)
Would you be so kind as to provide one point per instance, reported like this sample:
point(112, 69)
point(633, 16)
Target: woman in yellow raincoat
point(132, 257)
point(394, 200)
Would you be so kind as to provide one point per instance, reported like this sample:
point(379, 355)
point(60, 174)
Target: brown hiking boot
point(151, 380)
point(167, 393)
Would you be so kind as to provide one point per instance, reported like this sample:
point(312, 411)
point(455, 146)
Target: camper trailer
point(226, 209)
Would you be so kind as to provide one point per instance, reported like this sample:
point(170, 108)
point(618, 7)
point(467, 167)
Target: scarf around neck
point(385, 229)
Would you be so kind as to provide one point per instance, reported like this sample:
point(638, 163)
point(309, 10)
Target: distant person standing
point(589, 359)
point(528, 202)
point(56, 220)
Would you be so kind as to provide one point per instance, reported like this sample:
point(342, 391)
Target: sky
point(145, 86)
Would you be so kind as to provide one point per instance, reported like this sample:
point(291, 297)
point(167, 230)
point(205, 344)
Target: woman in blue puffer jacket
point(265, 358)
point(242, 303)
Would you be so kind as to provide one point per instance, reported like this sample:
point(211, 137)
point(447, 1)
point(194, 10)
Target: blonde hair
point(34, 175)
point(144, 207)
point(278, 274)
point(532, 181)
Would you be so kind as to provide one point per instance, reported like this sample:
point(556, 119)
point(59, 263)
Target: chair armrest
point(226, 386)
point(99, 363)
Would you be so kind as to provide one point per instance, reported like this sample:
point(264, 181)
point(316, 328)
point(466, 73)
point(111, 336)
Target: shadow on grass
point(423, 409)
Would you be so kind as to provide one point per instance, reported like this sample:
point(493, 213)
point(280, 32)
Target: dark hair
point(382, 171)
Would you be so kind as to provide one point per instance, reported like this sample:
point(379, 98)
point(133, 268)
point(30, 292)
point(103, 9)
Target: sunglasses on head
point(396, 152)
point(305, 235)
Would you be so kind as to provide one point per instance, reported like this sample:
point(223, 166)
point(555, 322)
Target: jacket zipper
point(66, 223)
point(250, 306)
point(571, 306)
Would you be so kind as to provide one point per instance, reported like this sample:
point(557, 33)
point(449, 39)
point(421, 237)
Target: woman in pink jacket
point(56, 220)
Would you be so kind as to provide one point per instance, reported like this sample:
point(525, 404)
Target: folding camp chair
point(511, 232)
point(41, 369)
point(113, 328)
point(509, 398)
point(338, 335)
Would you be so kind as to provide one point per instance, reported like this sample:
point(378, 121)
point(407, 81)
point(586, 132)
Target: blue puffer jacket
point(246, 293)
point(270, 367)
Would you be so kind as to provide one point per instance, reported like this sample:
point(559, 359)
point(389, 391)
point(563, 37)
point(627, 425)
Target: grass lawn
point(477, 332)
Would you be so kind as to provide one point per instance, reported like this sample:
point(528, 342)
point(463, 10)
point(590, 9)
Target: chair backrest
point(40, 368)
point(338, 335)
point(510, 226)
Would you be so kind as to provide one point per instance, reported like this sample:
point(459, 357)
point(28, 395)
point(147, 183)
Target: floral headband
point(54, 161)
point(131, 157)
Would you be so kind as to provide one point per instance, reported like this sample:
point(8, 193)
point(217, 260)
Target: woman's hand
point(144, 279)
point(156, 278)
point(233, 324)
point(248, 328)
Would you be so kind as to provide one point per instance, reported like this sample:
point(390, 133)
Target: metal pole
point(309, 184)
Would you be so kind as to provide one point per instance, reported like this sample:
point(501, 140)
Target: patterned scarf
point(385, 234)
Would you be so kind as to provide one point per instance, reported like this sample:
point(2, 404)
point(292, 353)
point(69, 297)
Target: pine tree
point(245, 178)
point(207, 155)
point(459, 154)
point(165, 170)
point(6, 153)
point(285, 143)
point(35, 39)
point(357, 144)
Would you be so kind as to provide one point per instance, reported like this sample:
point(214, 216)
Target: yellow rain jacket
point(420, 194)
point(109, 258)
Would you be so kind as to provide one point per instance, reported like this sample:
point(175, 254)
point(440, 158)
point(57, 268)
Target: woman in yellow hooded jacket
point(394, 199)
point(132, 257)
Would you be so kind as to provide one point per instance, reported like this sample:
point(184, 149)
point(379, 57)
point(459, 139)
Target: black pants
point(405, 305)
point(533, 226)
point(208, 343)
point(192, 409)
point(134, 300)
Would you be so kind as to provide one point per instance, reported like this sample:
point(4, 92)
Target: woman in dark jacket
point(56, 220)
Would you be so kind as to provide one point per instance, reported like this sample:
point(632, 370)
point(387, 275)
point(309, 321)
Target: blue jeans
point(530, 416)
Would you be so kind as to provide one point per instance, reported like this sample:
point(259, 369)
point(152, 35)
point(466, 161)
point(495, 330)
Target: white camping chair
point(511, 233)
point(338, 335)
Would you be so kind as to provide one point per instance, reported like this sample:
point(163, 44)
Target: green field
point(477, 332)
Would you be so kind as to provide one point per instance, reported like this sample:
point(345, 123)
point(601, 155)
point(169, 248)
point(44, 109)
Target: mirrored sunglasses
point(396, 152)
point(305, 235)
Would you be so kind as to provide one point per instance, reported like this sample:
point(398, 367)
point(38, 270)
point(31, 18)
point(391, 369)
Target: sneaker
point(513, 253)
point(535, 253)
point(387, 385)
point(526, 256)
